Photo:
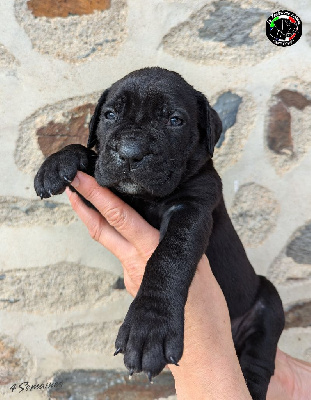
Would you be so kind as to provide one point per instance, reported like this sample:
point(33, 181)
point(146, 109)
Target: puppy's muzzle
point(131, 151)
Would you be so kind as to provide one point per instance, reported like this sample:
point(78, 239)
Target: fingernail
point(76, 182)
point(68, 191)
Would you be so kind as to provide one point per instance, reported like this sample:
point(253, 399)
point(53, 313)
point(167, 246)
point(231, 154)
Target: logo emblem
point(283, 28)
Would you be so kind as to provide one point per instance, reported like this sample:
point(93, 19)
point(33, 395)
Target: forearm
point(209, 368)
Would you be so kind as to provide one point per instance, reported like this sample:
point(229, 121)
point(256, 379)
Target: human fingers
point(133, 264)
point(118, 214)
point(98, 227)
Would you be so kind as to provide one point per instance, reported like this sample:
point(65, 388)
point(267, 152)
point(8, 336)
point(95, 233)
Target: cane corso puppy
point(153, 137)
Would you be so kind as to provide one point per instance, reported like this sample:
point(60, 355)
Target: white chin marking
point(129, 187)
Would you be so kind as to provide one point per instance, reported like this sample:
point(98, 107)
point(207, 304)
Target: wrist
point(209, 367)
point(219, 379)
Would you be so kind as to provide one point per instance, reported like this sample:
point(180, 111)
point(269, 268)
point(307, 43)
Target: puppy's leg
point(60, 168)
point(256, 335)
point(152, 333)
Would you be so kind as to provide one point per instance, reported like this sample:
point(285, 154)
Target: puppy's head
point(152, 131)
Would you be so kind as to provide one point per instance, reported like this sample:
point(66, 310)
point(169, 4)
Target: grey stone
point(16, 211)
point(110, 385)
point(223, 33)
point(55, 288)
point(292, 266)
point(231, 24)
point(299, 249)
point(227, 106)
point(95, 338)
point(254, 213)
point(7, 60)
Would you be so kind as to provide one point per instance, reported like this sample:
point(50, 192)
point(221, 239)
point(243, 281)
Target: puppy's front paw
point(151, 336)
point(59, 169)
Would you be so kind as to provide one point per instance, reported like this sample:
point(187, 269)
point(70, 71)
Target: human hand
point(209, 367)
point(117, 227)
point(291, 380)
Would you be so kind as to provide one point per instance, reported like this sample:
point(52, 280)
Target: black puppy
point(154, 137)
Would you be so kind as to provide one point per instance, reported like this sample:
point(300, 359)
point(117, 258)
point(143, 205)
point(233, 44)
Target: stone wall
point(61, 294)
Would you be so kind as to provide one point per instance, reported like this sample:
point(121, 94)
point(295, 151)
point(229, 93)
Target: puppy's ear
point(92, 140)
point(210, 125)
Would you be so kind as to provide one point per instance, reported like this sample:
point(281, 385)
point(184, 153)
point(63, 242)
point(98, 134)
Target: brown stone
point(121, 392)
point(279, 137)
point(55, 135)
point(298, 316)
point(9, 364)
point(293, 99)
point(64, 8)
point(288, 130)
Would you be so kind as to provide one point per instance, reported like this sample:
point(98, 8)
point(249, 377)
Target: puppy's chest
point(151, 211)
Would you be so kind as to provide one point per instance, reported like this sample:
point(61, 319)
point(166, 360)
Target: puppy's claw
point(41, 196)
point(131, 373)
point(50, 193)
point(150, 377)
point(117, 351)
point(173, 361)
point(67, 180)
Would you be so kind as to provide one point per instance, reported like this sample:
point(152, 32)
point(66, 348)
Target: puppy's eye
point(110, 115)
point(175, 121)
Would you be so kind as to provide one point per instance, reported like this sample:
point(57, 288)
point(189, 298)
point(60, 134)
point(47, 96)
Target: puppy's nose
point(132, 152)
